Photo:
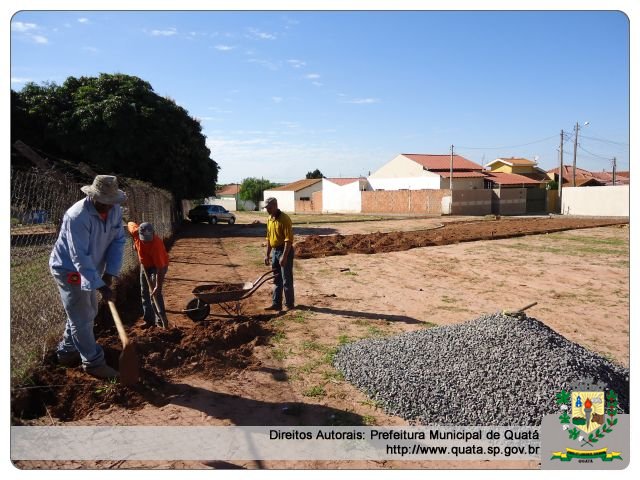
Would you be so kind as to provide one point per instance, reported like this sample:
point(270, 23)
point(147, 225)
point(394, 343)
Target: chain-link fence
point(39, 199)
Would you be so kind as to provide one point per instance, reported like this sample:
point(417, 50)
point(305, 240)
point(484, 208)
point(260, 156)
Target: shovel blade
point(129, 371)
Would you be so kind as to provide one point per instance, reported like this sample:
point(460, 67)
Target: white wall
point(399, 167)
point(431, 182)
point(285, 198)
point(608, 201)
point(230, 203)
point(308, 191)
point(341, 199)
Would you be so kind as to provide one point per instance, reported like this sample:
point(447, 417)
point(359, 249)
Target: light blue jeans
point(148, 311)
point(81, 307)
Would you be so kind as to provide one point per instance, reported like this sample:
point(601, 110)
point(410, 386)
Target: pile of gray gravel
point(494, 370)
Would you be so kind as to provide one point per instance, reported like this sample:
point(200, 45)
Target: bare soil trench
point(248, 368)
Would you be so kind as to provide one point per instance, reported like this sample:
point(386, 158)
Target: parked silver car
point(212, 214)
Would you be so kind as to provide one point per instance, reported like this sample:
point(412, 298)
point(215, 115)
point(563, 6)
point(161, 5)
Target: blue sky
point(281, 93)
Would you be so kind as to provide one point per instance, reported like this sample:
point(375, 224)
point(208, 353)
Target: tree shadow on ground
point(354, 314)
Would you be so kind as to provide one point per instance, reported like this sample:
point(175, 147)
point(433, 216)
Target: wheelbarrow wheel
point(197, 310)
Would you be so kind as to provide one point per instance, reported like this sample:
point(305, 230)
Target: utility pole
point(451, 170)
point(575, 153)
point(614, 170)
point(561, 168)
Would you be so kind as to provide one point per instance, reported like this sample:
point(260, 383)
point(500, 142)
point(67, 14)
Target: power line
point(594, 154)
point(508, 146)
point(606, 141)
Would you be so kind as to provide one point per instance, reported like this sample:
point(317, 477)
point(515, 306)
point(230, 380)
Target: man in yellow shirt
point(280, 254)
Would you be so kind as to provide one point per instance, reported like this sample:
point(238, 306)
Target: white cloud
point(20, 80)
point(317, 84)
point(279, 161)
point(312, 76)
point(265, 63)
point(39, 39)
point(224, 48)
point(90, 49)
point(22, 27)
point(290, 21)
point(219, 110)
point(83, 20)
point(363, 101)
point(276, 99)
point(164, 33)
point(255, 33)
point(296, 63)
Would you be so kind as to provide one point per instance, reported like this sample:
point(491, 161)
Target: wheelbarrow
point(223, 295)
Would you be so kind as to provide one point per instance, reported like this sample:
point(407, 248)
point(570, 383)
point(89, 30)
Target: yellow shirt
point(279, 230)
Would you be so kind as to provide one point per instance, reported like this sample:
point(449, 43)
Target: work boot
point(274, 307)
point(288, 308)
point(102, 371)
point(69, 360)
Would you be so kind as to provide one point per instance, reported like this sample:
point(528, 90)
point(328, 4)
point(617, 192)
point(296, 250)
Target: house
point(509, 180)
point(296, 196)
point(622, 178)
point(229, 197)
point(412, 171)
point(520, 166)
point(584, 178)
point(343, 195)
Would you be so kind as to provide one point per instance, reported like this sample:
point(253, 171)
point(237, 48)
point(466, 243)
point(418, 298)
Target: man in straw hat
point(85, 258)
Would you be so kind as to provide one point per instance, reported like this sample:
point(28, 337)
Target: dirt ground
point(241, 366)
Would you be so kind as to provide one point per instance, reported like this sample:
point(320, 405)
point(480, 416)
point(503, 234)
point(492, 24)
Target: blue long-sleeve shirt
point(89, 245)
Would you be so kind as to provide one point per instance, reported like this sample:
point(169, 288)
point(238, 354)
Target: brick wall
point(426, 202)
point(316, 199)
point(310, 206)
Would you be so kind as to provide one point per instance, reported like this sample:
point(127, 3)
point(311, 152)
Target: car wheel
point(232, 221)
point(213, 220)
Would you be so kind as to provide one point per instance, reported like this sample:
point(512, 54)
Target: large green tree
point(117, 124)
point(253, 188)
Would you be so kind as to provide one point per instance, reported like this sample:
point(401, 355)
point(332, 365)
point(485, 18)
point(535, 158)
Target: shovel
point(129, 372)
point(156, 307)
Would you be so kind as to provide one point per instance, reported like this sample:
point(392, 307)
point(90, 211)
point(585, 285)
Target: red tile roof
point(459, 174)
point(622, 178)
point(582, 176)
point(442, 162)
point(503, 178)
point(298, 185)
point(232, 189)
point(343, 181)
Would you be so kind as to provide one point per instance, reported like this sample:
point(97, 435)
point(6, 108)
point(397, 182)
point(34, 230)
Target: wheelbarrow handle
point(270, 275)
point(269, 272)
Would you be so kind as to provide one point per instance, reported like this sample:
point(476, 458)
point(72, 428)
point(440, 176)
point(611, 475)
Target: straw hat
point(104, 189)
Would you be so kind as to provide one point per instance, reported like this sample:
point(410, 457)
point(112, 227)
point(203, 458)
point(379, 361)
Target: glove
point(107, 278)
point(106, 292)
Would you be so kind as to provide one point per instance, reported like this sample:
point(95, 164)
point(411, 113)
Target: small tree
point(253, 188)
point(315, 174)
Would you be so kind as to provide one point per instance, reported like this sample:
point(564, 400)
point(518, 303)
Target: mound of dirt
point(323, 246)
point(210, 348)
